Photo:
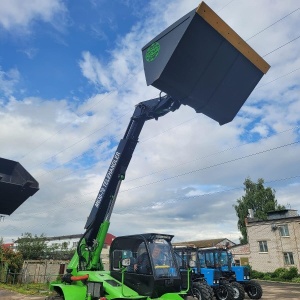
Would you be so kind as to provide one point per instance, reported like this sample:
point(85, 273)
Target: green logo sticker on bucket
point(152, 52)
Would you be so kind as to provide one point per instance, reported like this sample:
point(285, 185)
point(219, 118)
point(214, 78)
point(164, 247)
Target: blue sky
point(70, 75)
point(49, 51)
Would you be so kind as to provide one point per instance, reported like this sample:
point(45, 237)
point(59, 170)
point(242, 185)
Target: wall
point(277, 244)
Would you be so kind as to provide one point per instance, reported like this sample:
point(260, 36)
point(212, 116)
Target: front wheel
point(253, 289)
point(57, 297)
point(200, 290)
point(239, 293)
point(224, 292)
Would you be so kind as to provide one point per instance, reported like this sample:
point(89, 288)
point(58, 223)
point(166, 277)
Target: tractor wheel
point(253, 289)
point(200, 290)
point(239, 293)
point(224, 292)
point(211, 291)
point(56, 297)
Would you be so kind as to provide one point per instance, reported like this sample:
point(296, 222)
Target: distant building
point(8, 245)
point(275, 242)
point(221, 242)
point(70, 242)
point(241, 254)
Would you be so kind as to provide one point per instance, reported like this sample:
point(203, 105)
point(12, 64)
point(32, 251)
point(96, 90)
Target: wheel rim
point(197, 294)
point(222, 293)
point(252, 290)
point(236, 292)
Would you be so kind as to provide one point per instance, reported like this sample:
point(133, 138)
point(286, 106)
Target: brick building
point(241, 254)
point(275, 242)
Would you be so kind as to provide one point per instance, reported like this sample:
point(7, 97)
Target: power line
point(211, 166)
point(65, 126)
point(145, 140)
point(272, 24)
point(183, 122)
point(282, 45)
point(170, 201)
point(209, 155)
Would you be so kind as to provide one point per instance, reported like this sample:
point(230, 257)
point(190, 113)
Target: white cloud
point(18, 14)
point(8, 80)
point(93, 70)
point(180, 155)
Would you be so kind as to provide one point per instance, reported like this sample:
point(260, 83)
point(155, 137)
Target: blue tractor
point(238, 276)
point(189, 257)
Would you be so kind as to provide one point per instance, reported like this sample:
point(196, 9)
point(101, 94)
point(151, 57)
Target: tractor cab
point(146, 263)
point(190, 257)
point(218, 258)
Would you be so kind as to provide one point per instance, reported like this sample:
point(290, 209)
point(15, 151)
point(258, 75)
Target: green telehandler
point(198, 61)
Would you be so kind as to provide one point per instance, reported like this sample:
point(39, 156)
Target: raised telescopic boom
point(92, 242)
point(198, 61)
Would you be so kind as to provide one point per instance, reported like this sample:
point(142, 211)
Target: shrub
point(257, 275)
point(285, 274)
point(289, 274)
point(296, 279)
point(278, 273)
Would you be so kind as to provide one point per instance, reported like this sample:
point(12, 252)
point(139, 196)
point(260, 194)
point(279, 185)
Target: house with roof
point(274, 242)
point(219, 243)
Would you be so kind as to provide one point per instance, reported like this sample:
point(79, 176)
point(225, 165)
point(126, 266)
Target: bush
point(280, 274)
point(296, 279)
point(290, 274)
point(257, 275)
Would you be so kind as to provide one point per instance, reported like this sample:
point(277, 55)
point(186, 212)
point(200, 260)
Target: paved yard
point(278, 290)
point(271, 291)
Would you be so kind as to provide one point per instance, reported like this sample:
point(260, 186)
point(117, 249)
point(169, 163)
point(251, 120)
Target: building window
point(288, 258)
point(263, 246)
point(284, 230)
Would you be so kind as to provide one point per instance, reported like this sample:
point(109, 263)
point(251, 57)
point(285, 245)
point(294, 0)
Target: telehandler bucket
point(16, 186)
point(201, 62)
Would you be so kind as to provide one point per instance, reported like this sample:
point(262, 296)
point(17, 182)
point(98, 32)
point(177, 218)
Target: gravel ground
point(271, 291)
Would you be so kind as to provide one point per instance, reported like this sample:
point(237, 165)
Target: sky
point(71, 73)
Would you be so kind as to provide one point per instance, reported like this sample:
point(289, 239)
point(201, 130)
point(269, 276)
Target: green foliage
point(27, 289)
point(32, 247)
point(290, 273)
point(35, 247)
point(258, 198)
point(257, 275)
point(296, 279)
point(280, 274)
point(14, 260)
point(59, 251)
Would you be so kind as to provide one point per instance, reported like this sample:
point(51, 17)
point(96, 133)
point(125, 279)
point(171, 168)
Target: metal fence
point(38, 271)
point(33, 272)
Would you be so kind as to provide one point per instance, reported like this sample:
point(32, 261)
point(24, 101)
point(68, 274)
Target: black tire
point(239, 292)
point(211, 291)
point(200, 290)
point(56, 297)
point(224, 292)
point(253, 289)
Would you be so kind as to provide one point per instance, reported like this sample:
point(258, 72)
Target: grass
point(27, 289)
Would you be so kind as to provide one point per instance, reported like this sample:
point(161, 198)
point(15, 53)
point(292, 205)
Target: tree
point(32, 247)
point(258, 198)
point(10, 258)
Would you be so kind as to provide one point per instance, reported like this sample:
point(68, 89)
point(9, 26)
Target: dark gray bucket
point(201, 62)
point(16, 186)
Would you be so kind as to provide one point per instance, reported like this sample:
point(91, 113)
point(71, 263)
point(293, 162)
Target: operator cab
point(148, 263)
point(217, 258)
